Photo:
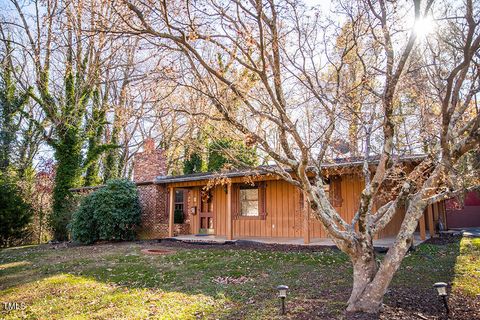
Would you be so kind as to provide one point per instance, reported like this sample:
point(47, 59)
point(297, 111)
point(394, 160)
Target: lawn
point(118, 281)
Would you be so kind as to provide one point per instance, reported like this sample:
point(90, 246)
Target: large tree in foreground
point(309, 76)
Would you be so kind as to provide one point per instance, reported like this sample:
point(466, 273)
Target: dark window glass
point(179, 196)
point(179, 200)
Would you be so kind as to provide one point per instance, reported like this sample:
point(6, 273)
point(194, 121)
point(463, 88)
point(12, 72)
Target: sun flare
point(424, 26)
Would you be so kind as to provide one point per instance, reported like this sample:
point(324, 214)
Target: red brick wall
point(153, 201)
point(148, 165)
point(153, 198)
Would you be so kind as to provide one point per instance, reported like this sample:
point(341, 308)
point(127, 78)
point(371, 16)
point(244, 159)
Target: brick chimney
point(150, 163)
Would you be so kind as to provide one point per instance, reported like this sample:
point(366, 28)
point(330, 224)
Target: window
point(179, 206)
point(249, 202)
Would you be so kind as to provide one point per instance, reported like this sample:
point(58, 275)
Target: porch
point(287, 219)
point(327, 242)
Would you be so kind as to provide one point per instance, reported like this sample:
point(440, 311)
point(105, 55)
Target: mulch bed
point(249, 245)
point(409, 303)
point(444, 239)
point(401, 303)
point(244, 245)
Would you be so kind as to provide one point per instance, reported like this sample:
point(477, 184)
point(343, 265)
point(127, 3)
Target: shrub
point(110, 213)
point(83, 226)
point(178, 216)
point(15, 212)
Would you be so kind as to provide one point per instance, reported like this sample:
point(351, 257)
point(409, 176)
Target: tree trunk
point(364, 271)
point(367, 300)
point(371, 297)
point(68, 172)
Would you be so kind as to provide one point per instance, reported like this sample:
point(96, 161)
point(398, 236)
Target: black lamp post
point(442, 292)
point(282, 294)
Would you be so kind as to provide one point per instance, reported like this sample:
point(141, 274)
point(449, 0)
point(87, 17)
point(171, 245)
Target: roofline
point(259, 171)
point(99, 186)
point(208, 176)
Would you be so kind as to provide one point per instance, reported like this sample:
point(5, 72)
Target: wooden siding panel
point(193, 198)
point(220, 210)
point(284, 213)
point(268, 223)
point(281, 211)
point(292, 208)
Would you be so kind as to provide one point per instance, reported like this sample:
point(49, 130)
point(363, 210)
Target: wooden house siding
point(283, 219)
point(285, 213)
point(284, 210)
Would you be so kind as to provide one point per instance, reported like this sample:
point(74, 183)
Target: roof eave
point(242, 173)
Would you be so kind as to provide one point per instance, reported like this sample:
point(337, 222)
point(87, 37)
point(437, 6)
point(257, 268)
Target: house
point(253, 204)
point(465, 214)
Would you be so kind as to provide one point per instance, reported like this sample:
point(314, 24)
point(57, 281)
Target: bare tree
point(65, 61)
point(140, 108)
point(276, 73)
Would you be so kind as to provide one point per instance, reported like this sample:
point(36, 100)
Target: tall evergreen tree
point(193, 163)
point(228, 153)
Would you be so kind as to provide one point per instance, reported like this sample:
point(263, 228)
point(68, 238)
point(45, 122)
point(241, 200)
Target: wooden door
point(206, 213)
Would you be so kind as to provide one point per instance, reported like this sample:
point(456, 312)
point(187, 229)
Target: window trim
point(182, 203)
point(249, 187)
point(261, 187)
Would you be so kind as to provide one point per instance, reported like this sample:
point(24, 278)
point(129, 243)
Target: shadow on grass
point(206, 272)
point(411, 291)
point(227, 282)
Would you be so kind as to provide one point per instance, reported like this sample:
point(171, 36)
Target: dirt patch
point(157, 251)
point(444, 239)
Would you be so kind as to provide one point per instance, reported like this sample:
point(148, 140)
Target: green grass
point(74, 297)
point(118, 281)
point(429, 264)
point(467, 267)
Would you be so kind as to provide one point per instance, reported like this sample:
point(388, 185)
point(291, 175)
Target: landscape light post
point(282, 294)
point(442, 292)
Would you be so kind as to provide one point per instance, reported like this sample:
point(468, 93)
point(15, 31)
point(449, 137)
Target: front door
point(206, 213)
